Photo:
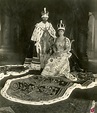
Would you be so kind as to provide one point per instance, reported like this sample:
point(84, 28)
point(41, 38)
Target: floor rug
point(38, 90)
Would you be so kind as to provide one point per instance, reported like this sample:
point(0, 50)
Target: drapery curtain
point(77, 24)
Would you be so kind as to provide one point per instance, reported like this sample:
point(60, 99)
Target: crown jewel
point(61, 25)
point(45, 13)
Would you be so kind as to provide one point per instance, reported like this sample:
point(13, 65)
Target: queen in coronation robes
point(58, 63)
point(44, 36)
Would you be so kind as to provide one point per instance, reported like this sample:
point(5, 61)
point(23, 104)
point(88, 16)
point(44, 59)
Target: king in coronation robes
point(44, 36)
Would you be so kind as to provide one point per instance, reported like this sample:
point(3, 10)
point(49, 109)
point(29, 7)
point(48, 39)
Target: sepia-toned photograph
point(48, 56)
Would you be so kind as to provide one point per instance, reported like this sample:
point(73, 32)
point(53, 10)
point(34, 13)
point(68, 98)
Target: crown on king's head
point(44, 13)
point(61, 25)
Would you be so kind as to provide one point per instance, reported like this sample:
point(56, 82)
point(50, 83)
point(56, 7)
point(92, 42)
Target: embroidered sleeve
point(37, 33)
point(68, 45)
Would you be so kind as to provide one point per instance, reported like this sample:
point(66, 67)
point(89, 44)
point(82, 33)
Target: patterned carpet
point(53, 93)
point(35, 89)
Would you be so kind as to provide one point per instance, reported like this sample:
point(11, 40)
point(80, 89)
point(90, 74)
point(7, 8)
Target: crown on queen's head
point(61, 25)
point(45, 13)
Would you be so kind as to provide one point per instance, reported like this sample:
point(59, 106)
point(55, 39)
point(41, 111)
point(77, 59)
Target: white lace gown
point(58, 63)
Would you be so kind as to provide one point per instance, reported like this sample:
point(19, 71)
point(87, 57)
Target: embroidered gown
point(58, 63)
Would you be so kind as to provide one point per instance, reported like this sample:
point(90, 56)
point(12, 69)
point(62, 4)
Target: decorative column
point(91, 36)
point(7, 54)
point(6, 46)
point(96, 38)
